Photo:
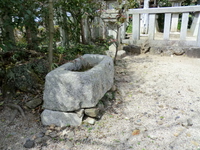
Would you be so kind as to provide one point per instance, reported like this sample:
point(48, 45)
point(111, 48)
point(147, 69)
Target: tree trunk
point(117, 43)
point(89, 27)
point(83, 34)
point(8, 32)
point(31, 34)
point(63, 30)
point(51, 31)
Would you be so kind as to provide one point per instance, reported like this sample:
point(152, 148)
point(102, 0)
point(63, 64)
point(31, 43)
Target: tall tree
point(51, 32)
point(7, 11)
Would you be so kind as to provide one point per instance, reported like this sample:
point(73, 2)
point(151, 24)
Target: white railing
point(168, 13)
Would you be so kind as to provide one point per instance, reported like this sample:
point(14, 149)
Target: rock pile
point(75, 88)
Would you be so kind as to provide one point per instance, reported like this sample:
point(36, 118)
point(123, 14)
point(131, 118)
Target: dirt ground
point(156, 107)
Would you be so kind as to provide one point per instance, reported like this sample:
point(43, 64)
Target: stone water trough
point(75, 86)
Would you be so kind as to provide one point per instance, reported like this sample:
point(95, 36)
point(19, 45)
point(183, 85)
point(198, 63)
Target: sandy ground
point(157, 107)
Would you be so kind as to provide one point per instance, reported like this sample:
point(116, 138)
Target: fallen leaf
point(136, 132)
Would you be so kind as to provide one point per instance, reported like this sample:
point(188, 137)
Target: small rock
point(48, 132)
point(69, 144)
point(67, 133)
point(176, 134)
point(44, 144)
point(113, 89)
point(71, 134)
point(175, 108)
point(132, 49)
point(100, 106)
point(52, 126)
point(29, 143)
point(8, 148)
point(58, 128)
point(63, 128)
point(160, 122)
point(41, 134)
point(42, 140)
point(145, 135)
point(90, 120)
point(143, 129)
point(92, 112)
point(106, 102)
point(188, 134)
point(39, 140)
point(177, 117)
point(189, 122)
point(34, 103)
point(109, 95)
point(63, 133)
point(184, 124)
point(121, 54)
point(53, 134)
point(172, 147)
point(80, 113)
point(126, 118)
point(34, 137)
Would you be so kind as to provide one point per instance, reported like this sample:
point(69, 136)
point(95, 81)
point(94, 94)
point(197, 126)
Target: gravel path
point(157, 107)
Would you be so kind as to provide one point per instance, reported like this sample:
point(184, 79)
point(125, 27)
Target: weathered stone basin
point(78, 84)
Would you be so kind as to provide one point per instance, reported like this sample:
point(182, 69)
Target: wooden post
point(167, 24)
point(184, 25)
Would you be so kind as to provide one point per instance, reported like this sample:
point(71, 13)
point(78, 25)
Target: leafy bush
point(81, 49)
point(129, 28)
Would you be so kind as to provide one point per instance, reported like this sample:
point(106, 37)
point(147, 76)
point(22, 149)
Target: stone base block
point(193, 52)
point(60, 119)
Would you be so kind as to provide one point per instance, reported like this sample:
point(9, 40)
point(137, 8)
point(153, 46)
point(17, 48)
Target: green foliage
point(161, 17)
point(81, 49)
point(77, 10)
point(129, 29)
point(164, 3)
point(27, 76)
point(21, 44)
point(7, 46)
point(40, 67)
point(132, 4)
point(188, 2)
point(60, 50)
point(21, 76)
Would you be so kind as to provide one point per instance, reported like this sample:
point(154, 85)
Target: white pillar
point(167, 24)
point(184, 25)
point(136, 27)
point(145, 19)
point(195, 24)
point(175, 17)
